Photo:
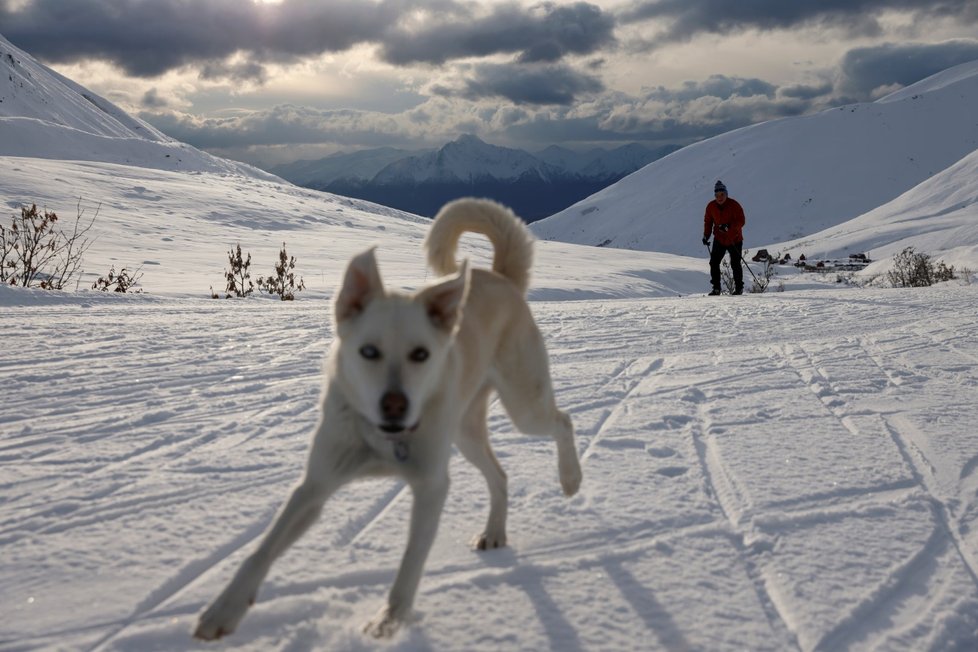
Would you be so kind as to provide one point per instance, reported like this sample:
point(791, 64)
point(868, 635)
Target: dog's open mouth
point(396, 430)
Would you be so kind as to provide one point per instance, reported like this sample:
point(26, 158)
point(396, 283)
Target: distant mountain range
point(534, 185)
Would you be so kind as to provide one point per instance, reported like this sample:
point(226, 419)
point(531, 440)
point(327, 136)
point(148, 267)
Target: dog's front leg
point(223, 615)
point(331, 465)
point(429, 499)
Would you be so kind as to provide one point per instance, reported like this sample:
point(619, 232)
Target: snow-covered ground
point(789, 470)
point(768, 472)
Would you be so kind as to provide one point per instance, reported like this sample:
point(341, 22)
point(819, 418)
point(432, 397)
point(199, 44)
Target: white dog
point(408, 376)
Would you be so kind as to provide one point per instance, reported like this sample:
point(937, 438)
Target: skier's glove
point(724, 228)
point(706, 241)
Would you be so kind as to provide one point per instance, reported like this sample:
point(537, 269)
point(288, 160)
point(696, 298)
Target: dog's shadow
point(514, 571)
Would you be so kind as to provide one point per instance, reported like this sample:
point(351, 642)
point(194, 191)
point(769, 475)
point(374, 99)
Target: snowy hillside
point(45, 115)
point(937, 217)
point(179, 226)
point(794, 176)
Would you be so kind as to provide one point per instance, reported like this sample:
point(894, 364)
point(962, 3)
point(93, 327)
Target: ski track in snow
point(764, 472)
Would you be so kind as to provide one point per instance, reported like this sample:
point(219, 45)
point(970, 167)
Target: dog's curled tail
point(512, 242)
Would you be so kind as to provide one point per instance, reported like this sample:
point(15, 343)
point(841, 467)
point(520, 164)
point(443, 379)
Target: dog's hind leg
point(522, 380)
point(473, 442)
point(327, 471)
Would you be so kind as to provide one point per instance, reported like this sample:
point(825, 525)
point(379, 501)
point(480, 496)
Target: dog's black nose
point(394, 406)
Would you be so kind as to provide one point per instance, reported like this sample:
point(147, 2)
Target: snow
point(788, 470)
point(783, 471)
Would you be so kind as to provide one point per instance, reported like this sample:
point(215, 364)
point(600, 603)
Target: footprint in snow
point(672, 471)
point(661, 452)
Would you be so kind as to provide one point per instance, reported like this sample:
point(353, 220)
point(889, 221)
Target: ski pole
point(748, 268)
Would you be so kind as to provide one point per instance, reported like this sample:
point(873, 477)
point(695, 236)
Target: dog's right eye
point(369, 352)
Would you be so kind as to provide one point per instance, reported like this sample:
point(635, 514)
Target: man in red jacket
point(725, 220)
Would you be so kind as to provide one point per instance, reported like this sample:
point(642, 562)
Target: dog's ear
point(444, 301)
point(360, 286)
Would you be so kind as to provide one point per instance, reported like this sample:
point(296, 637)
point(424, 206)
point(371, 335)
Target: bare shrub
point(762, 283)
point(912, 269)
point(122, 282)
point(726, 277)
point(36, 252)
point(283, 282)
point(239, 276)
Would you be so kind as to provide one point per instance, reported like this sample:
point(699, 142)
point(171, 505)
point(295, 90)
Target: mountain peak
point(469, 139)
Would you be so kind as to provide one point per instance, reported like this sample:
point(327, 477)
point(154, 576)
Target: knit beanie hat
point(719, 187)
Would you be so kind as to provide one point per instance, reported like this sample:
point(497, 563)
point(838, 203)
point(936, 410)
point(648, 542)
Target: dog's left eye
point(370, 352)
point(419, 354)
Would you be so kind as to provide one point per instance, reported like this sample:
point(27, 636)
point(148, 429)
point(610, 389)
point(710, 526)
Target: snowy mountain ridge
point(45, 115)
point(936, 217)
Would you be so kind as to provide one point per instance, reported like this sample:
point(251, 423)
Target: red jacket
point(730, 214)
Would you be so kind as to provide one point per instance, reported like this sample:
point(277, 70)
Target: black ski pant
point(736, 255)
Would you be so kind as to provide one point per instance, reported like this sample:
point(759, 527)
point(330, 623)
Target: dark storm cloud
point(719, 86)
point(152, 100)
point(149, 37)
point(242, 72)
point(544, 32)
point(806, 91)
point(525, 84)
point(863, 70)
point(701, 109)
point(684, 19)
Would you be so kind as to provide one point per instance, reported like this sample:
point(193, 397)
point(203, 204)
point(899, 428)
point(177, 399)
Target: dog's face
point(392, 347)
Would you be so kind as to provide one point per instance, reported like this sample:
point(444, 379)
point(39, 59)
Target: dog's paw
point(570, 476)
point(385, 624)
point(489, 541)
point(568, 463)
point(221, 618)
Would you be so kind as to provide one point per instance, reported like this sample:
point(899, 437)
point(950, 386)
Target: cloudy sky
point(269, 81)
